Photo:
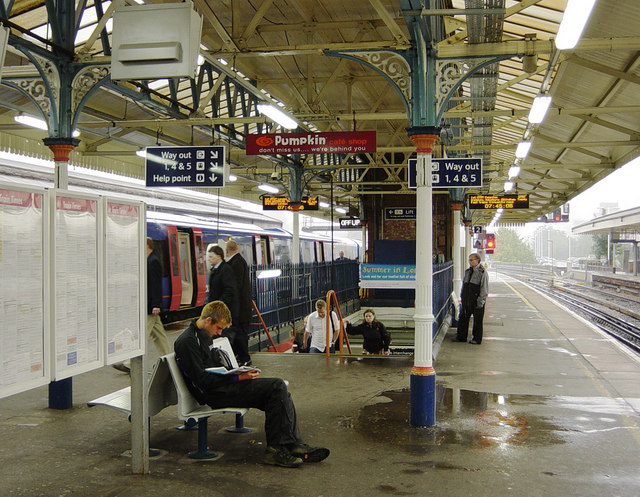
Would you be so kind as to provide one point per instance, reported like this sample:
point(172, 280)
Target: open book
point(238, 370)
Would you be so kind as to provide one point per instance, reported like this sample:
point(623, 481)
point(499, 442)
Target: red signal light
point(490, 243)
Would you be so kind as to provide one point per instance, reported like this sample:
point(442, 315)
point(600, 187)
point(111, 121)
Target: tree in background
point(600, 246)
point(511, 248)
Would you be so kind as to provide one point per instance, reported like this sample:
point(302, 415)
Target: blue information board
point(185, 166)
point(450, 173)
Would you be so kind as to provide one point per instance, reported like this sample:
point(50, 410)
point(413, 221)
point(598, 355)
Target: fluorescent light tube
point(514, 171)
point(539, 108)
point(573, 22)
point(522, 150)
point(268, 188)
point(277, 116)
point(233, 177)
point(31, 121)
point(341, 210)
point(141, 153)
point(324, 205)
point(508, 186)
point(268, 273)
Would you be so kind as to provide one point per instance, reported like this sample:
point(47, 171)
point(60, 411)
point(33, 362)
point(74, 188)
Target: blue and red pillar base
point(423, 396)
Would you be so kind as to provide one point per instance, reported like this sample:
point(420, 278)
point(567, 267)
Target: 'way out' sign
point(185, 166)
point(450, 173)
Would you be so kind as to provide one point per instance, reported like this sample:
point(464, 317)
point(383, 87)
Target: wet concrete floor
point(544, 407)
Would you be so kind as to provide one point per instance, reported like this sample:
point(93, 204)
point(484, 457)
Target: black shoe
point(456, 339)
point(308, 453)
point(279, 456)
point(121, 367)
point(474, 342)
point(245, 363)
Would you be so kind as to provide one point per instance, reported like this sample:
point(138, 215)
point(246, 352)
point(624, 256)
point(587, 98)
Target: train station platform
point(546, 406)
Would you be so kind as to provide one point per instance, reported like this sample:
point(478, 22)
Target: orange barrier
point(255, 308)
point(342, 335)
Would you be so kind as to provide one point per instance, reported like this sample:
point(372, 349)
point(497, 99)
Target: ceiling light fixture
point(324, 205)
point(341, 210)
point(233, 177)
point(31, 121)
point(539, 108)
point(268, 188)
point(573, 22)
point(523, 149)
point(277, 116)
point(508, 186)
point(514, 171)
point(141, 153)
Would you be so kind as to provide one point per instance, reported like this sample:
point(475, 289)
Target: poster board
point(24, 358)
point(124, 271)
point(76, 278)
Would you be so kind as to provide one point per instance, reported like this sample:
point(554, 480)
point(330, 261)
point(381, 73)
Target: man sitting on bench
point(194, 354)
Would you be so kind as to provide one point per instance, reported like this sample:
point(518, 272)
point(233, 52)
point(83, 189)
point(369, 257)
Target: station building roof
point(623, 225)
point(308, 57)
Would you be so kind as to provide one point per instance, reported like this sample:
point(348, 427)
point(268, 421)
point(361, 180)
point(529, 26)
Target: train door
point(174, 271)
point(186, 270)
point(201, 277)
point(319, 252)
point(261, 250)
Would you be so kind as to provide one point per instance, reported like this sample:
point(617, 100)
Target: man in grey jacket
point(475, 288)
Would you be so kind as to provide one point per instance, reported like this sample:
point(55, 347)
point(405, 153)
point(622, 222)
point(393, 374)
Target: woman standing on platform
point(376, 337)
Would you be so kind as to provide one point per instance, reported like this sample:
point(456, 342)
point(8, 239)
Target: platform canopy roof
point(285, 51)
point(623, 224)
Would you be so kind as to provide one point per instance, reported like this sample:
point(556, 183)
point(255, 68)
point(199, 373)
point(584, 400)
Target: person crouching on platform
point(376, 337)
point(194, 354)
point(475, 288)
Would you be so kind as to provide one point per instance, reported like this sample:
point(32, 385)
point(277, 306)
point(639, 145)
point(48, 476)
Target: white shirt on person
point(317, 329)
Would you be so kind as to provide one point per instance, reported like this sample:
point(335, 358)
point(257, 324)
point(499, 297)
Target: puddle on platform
point(463, 417)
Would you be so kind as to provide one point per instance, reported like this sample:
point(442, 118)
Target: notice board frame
point(26, 380)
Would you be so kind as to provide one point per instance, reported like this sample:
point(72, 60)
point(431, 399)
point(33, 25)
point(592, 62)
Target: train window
point(199, 255)
point(306, 248)
point(175, 265)
point(246, 251)
point(281, 250)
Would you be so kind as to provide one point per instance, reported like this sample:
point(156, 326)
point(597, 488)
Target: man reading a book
point(195, 353)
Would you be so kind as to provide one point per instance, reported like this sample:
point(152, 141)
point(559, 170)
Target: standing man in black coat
point(222, 282)
point(240, 268)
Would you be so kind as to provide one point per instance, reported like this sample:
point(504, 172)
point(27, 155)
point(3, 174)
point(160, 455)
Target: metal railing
point(291, 296)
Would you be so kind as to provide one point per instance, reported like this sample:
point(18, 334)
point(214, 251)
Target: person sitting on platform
point(376, 337)
point(194, 354)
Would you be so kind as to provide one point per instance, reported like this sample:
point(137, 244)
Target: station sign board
point(284, 204)
point(392, 213)
point(185, 166)
point(518, 201)
point(350, 223)
point(348, 142)
point(449, 173)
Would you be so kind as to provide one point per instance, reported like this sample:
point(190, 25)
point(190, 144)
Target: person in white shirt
point(316, 328)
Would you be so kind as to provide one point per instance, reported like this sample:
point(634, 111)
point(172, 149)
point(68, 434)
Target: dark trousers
point(463, 323)
point(269, 395)
point(239, 340)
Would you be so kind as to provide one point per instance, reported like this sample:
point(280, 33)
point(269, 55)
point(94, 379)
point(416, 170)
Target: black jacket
point(193, 355)
point(376, 337)
point(222, 286)
point(154, 283)
point(243, 282)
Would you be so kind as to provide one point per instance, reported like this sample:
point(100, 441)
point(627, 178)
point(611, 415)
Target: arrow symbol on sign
point(213, 178)
point(214, 155)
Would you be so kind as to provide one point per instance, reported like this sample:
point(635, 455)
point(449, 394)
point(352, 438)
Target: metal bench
point(167, 387)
